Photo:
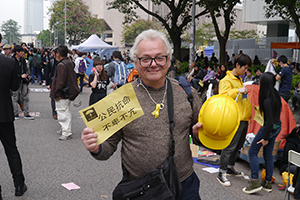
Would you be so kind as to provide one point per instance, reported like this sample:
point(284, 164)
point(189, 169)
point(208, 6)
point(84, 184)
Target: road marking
point(38, 90)
point(33, 114)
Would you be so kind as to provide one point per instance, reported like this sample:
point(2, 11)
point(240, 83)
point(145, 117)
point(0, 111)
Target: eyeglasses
point(147, 61)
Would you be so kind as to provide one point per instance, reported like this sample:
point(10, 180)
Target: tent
point(286, 116)
point(208, 51)
point(285, 45)
point(95, 44)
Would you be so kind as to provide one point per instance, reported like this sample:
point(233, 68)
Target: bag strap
point(66, 72)
point(171, 116)
point(171, 125)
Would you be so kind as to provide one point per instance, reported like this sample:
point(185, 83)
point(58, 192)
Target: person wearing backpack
point(35, 62)
point(80, 69)
point(117, 70)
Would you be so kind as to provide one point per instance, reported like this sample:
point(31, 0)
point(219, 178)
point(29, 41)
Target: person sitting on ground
point(196, 76)
point(210, 74)
point(295, 67)
point(292, 143)
point(222, 73)
point(296, 97)
point(257, 72)
point(249, 76)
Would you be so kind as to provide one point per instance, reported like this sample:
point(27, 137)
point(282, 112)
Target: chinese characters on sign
point(112, 113)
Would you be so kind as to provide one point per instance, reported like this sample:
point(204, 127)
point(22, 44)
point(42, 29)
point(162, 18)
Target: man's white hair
point(149, 35)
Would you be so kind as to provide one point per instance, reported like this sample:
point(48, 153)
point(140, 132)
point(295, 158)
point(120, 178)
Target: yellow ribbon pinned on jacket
point(156, 111)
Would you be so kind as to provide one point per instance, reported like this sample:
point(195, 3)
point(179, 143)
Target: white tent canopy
point(95, 44)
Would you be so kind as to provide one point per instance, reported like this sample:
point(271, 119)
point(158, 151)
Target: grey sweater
point(145, 141)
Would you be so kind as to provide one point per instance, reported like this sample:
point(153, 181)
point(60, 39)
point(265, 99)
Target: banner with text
point(113, 112)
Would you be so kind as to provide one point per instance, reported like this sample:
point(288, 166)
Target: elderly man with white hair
point(146, 140)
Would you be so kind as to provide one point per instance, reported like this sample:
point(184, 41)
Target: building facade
point(34, 16)
point(253, 12)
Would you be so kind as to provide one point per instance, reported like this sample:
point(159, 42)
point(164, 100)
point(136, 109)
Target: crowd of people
point(64, 72)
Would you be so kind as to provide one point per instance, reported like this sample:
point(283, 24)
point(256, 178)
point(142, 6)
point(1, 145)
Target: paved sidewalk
point(48, 162)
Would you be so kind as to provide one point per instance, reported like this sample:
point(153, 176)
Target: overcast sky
point(14, 9)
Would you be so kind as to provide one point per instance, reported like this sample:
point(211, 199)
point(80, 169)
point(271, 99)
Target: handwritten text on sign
point(112, 113)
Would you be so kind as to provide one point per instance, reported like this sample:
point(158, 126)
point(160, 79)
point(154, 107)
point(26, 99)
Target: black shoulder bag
point(160, 183)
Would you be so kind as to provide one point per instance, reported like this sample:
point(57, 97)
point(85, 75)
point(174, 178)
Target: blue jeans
point(267, 153)
point(286, 95)
point(36, 72)
point(190, 188)
point(81, 81)
point(194, 83)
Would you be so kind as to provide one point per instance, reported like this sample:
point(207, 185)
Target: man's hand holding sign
point(109, 115)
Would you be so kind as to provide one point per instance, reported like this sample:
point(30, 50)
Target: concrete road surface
point(49, 162)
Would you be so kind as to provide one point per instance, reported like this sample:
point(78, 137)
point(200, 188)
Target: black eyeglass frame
point(166, 56)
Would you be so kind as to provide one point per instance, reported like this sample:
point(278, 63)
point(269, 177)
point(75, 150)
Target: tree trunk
point(176, 40)
point(222, 44)
point(298, 33)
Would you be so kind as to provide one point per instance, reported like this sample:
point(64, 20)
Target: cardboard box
point(244, 153)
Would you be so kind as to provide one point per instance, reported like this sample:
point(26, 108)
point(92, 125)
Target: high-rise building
point(34, 16)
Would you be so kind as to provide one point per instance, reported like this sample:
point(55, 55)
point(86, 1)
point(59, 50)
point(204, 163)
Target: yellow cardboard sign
point(201, 83)
point(113, 112)
point(258, 117)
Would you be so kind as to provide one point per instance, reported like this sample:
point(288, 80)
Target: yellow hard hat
point(220, 116)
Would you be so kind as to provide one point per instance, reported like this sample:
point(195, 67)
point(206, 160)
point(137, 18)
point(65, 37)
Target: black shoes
point(20, 190)
point(0, 193)
point(233, 172)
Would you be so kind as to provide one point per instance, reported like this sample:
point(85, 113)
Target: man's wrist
point(99, 152)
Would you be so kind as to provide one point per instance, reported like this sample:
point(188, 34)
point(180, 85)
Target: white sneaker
point(63, 137)
point(223, 179)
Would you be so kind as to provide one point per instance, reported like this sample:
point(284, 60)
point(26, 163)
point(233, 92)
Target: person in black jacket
point(24, 79)
point(49, 73)
point(196, 76)
point(9, 80)
point(222, 73)
point(270, 106)
point(292, 143)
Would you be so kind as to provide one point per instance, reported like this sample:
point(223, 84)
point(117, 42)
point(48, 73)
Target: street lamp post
point(192, 33)
point(65, 21)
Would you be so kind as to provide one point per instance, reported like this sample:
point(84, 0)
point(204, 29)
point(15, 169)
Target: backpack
point(82, 67)
point(36, 62)
point(186, 87)
point(120, 73)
